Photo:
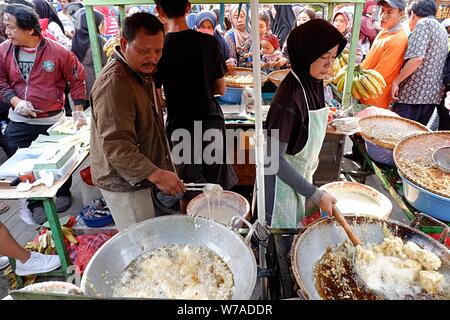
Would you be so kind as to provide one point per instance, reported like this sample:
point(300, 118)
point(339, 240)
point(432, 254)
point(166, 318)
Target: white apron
point(289, 206)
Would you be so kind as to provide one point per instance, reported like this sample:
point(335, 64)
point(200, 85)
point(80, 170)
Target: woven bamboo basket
point(388, 131)
point(231, 81)
point(413, 158)
point(276, 77)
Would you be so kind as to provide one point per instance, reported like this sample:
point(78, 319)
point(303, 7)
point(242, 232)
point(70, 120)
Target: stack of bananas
point(366, 83)
point(340, 62)
point(110, 45)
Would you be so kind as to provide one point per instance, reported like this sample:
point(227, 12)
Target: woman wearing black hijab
point(296, 124)
point(55, 27)
point(283, 22)
point(81, 45)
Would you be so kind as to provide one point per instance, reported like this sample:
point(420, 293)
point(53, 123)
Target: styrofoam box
point(22, 160)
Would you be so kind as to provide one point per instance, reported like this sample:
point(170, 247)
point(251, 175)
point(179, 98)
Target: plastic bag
point(86, 248)
point(86, 176)
point(447, 101)
point(375, 111)
point(247, 100)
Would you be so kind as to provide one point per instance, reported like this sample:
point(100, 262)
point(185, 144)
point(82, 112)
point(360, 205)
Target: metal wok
point(114, 256)
point(312, 243)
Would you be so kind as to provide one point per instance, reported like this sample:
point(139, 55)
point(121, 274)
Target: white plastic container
point(89, 193)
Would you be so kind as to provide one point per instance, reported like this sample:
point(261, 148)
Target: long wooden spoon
point(340, 218)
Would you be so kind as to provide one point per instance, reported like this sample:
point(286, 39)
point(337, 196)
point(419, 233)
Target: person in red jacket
point(111, 24)
point(33, 74)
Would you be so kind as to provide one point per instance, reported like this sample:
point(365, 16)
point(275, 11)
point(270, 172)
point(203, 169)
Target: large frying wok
point(312, 243)
point(115, 255)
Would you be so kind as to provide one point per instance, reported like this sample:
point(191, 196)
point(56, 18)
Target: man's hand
point(326, 203)
point(394, 90)
point(25, 108)
point(167, 181)
point(79, 119)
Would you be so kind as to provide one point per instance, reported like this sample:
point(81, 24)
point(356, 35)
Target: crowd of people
point(47, 69)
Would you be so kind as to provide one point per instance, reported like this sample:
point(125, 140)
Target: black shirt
point(190, 64)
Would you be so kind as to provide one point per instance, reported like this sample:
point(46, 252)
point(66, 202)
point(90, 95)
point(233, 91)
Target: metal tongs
point(196, 186)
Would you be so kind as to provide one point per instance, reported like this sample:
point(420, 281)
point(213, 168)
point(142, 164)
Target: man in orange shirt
point(388, 49)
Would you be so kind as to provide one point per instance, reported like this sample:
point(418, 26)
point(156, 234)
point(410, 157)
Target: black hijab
point(283, 22)
point(304, 48)
point(288, 112)
point(80, 41)
point(46, 11)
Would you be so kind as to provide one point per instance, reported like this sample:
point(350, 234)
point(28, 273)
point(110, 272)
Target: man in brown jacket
point(129, 150)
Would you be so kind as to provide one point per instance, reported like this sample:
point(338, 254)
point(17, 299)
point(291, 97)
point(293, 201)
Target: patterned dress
point(425, 86)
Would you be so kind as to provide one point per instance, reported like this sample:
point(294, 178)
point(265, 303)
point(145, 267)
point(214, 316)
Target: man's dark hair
point(141, 21)
point(173, 8)
point(422, 8)
point(27, 18)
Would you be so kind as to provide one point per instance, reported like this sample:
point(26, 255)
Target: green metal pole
point(58, 237)
point(122, 15)
point(330, 11)
point(96, 55)
point(222, 16)
point(347, 94)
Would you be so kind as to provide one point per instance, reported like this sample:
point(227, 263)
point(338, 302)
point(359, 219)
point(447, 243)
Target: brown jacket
point(128, 141)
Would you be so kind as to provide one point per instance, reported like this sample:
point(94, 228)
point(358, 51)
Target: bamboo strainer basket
point(388, 131)
point(413, 158)
point(276, 77)
point(242, 77)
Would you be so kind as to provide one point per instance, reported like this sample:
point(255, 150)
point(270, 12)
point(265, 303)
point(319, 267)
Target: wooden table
point(46, 195)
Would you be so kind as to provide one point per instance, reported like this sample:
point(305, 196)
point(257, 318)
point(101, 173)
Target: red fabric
point(45, 86)
point(86, 176)
point(72, 220)
point(367, 29)
point(86, 248)
point(111, 25)
point(312, 218)
point(273, 40)
point(44, 29)
point(369, 3)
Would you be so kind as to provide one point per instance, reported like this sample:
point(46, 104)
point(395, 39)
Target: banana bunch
point(109, 46)
point(340, 62)
point(366, 83)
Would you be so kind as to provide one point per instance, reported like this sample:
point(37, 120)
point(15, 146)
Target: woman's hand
point(326, 203)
